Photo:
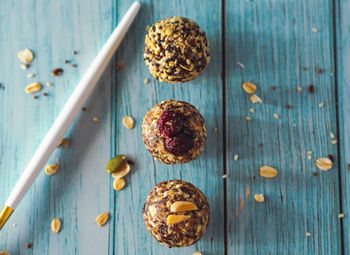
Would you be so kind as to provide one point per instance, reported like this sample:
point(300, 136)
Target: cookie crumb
point(308, 234)
point(224, 176)
point(49, 84)
point(341, 215)
point(276, 116)
point(95, 119)
point(320, 105)
point(299, 89)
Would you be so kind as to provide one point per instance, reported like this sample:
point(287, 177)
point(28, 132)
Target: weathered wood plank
point(135, 98)
point(80, 191)
point(342, 23)
point(275, 41)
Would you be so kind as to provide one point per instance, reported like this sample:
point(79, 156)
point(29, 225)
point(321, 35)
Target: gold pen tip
point(5, 215)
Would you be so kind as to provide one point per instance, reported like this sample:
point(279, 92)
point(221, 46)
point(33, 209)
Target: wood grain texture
point(275, 41)
point(80, 190)
point(342, 24)
point(135, 98)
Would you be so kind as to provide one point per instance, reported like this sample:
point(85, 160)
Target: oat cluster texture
point(176, 50)
point(157, 209)
point(174, 132)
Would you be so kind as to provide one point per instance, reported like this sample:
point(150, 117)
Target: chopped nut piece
point(123, 171)
point(145, 81)
point(182, 206)
point(128, 122)
point(249, 87)
point(33, 87)
point(320, 105)
point(276, 116)
point(65, 142)
point(57, 72)
point(102, 219)
point(224, 176)
point(174, 219)
point(252, 110)
point(56, 225)
point(52, 169)
point(95, 119)
point(119, 184)
point(259, 198)
point(308, 234)
point(324, 164)
point(255, 99)
point(299, 89)
point(24, 66)
point(268, 172)
point(49, 84)
point(248, 118)
point(341, 215)
point(26, 56)
point(31, 75)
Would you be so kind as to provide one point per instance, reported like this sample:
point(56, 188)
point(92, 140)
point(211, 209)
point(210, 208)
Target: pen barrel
point(71, 109)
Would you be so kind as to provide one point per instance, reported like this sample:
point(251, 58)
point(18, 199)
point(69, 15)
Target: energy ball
point(174, 132)
point(177, 50)
point(176, 213)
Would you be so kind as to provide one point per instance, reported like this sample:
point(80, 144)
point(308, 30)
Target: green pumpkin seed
point(115, 164)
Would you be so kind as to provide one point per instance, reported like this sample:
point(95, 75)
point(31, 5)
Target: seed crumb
point(240, 64)
point(308, 234)
point(28, 245)
point(31, 75)
point(96, 119)
point(341, 215)
point(288, 106)
point(66, 61)
point(235, 157)
point(120, 66)
point(224, 176)
point(312, 89)
point(24, 66)
point(248, 118)
point(74, 65)
point(314, 29)
point(299, 89)
point(309, 157)
point(57, 72)
point(320, 105)
point(252, 110)
point(276, 116)
point(49, 84)
point(331, 135)
point(45, 94)
point(145, 81)
point(74, 52)
point(309, 152)
point(65, 142)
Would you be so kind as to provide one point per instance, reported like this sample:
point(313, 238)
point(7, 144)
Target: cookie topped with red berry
point(174, 132)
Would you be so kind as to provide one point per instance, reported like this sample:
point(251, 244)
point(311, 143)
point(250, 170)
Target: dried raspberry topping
point(170, 123)
point(179, 145)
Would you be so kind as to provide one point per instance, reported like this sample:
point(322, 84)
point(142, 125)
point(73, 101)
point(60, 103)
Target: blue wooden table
point(279, 45)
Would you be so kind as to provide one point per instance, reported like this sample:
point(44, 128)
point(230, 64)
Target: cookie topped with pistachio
point(174, 132)
point(176, 213)
point(177, 50)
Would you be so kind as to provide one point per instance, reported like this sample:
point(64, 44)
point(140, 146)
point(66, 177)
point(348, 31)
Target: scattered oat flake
point(96, 119)
point(332, 135)
point(259, 198)
point(247, 192)
point(248, 118)
point(252, 110)
point(197, 253)
point(334, 141)
point(128, 122)
point(240, 64)
point(145, 81)
point(119, 184)
point(102, 219)
point(276, 116)
point(299, 89)
point(31, 75)
point(324, 164)
point(314, 29)
point(341, 215)
point(309, 157)
point(268, 172)
point(255, 99)
point(56, 225)
point(26, 56)
point(308, 234)
point(33, 87)
point(224, 176)
point(249, 87)
point(235, 157)
point(52, 169)
point(320, 105)
point(309, 152)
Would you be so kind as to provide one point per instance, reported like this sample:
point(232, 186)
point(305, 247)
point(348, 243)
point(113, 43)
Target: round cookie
point(177, 50)
point(174, 132)
point(176, 213)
